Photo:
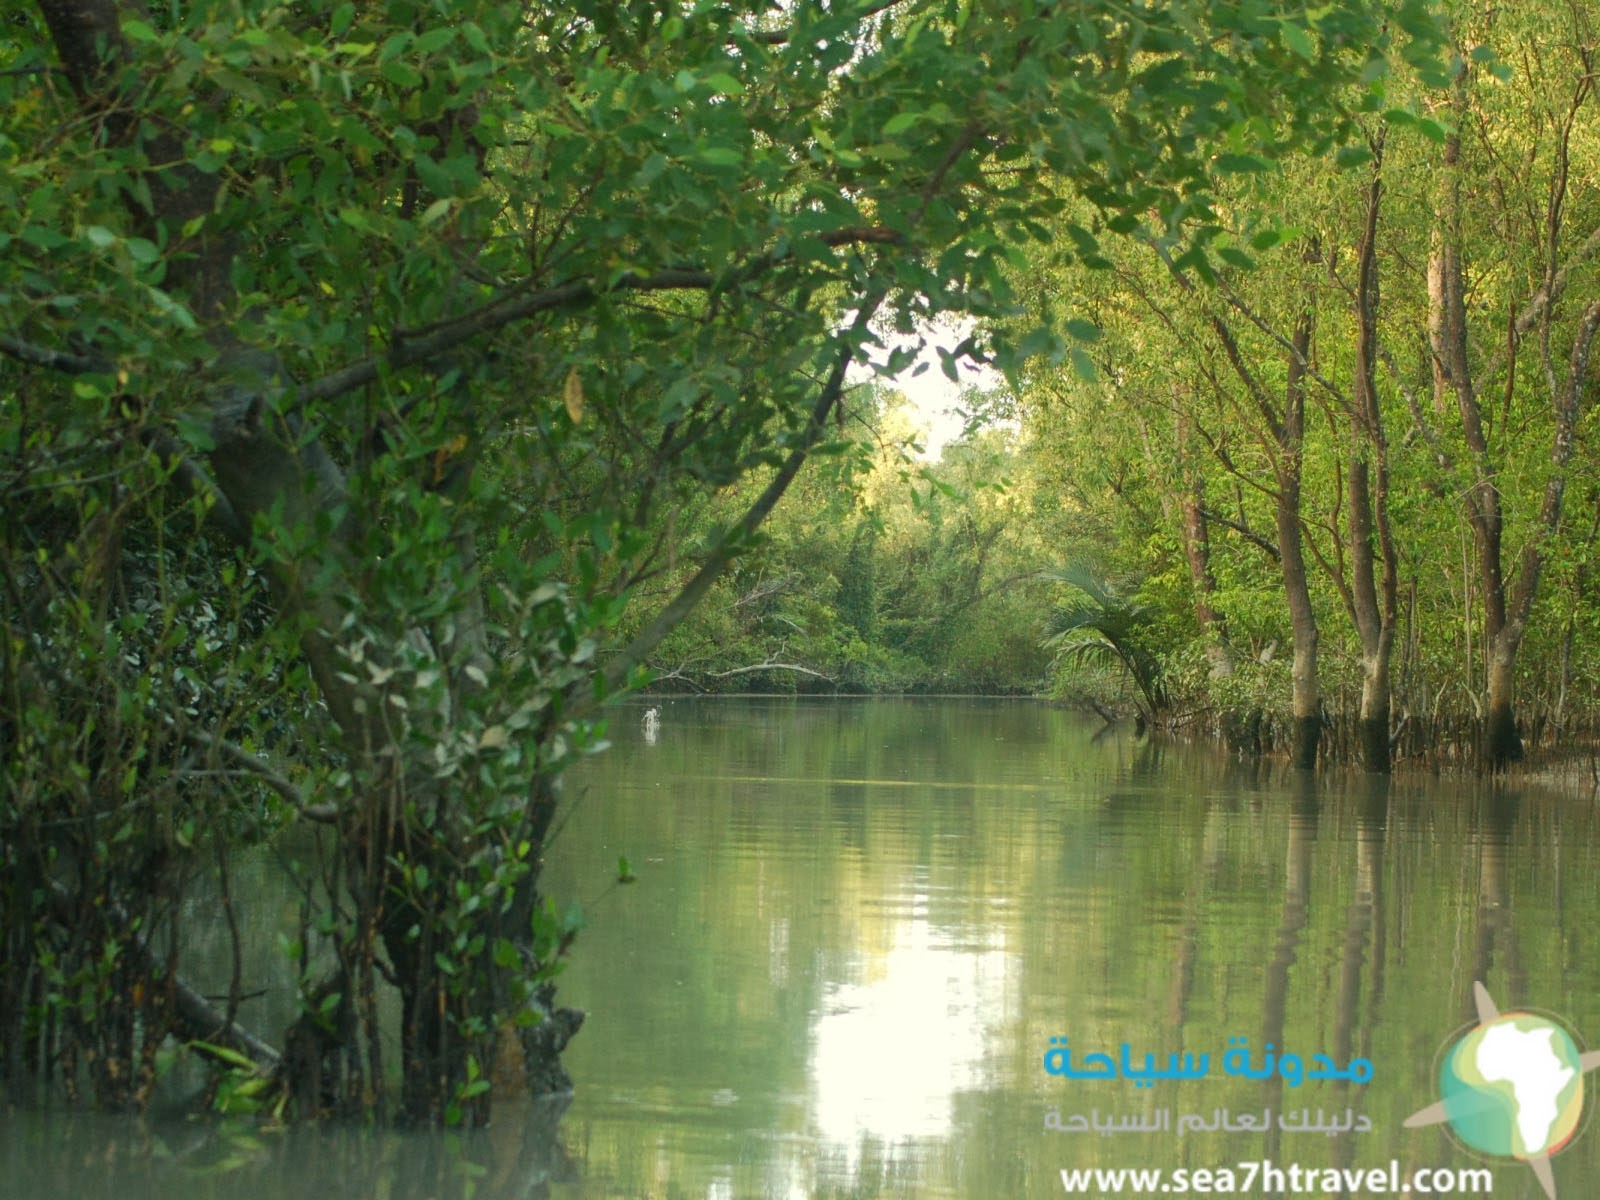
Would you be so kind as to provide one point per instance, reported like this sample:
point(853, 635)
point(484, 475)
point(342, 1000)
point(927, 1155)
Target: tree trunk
point(1375, 711)
point(1287, 427)
point(1373, 593)
point(1306, 704)
point(1503, 744)
point(1507, 611)
point(1197, 553)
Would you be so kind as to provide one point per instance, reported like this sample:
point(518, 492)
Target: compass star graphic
point(1512, 1086)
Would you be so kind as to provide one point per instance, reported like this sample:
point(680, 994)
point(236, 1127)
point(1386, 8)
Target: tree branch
point(1244, 531)
point(769, 666)
point(325, 813)
point(199, 1019)
point(55, 360)
point(1539, 303)
point(518, 303)
point(729, 545)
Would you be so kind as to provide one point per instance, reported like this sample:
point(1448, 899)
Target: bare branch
point(769, 666)
point(198, 1019)
point(1244, 531)
point(1542, 300)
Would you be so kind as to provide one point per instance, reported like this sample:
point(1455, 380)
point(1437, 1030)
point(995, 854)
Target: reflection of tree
point(1302, 840)
point(1197, 916)
point(1363, 932)
point(1135, 890)
point(1494, 818)
point(1186, 942)
point(55, 1153)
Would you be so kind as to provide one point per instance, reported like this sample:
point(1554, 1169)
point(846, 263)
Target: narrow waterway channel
point(857, 925)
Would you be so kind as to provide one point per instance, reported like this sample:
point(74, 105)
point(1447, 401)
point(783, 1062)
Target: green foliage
point(384, 384)
point(857, 600)
point(1101, 625)
point(1188, 408)
point(897, 575)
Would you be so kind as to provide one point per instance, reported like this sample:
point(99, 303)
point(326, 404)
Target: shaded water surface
point(857, 926)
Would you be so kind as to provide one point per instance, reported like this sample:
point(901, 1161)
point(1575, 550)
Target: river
point(858, 929)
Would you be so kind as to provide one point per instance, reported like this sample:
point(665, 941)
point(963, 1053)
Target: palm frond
point(1105, 627)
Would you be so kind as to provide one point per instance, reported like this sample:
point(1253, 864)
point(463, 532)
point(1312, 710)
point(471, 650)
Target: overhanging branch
point(518, 303)
point(54, 360)
point(739, 534)
point(769, 666)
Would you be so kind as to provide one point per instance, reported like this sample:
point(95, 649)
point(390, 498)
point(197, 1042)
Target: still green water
point(858, 925)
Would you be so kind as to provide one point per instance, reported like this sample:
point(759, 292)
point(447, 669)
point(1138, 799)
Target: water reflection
point(915, 1025)
point(45, 1155)
point(922, 923)
point(857, 925)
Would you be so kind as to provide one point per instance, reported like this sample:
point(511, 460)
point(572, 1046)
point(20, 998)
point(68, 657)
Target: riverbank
point(1568, 762)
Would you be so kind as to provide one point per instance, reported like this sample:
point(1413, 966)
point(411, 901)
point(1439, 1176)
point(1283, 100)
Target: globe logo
point(1513, 1087)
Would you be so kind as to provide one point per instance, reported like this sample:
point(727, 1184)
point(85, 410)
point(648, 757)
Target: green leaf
point(1298, 40)
point(572, 918)
point(225, 1054)
point(142, 250)
point(1041, 340)
point(718, 157)
point(1242, 164)
point(434, 177)
point(1083, 330)
point(195, 433)
point(401, 74)
point(434, 212)
point(435, 39)
point(900, 122)
point(43, 237)
point(396, 45)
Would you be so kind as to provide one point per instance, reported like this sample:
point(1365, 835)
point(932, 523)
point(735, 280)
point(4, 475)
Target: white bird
point(652, 724)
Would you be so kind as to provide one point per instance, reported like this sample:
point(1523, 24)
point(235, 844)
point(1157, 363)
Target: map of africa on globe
point(1513, 1086)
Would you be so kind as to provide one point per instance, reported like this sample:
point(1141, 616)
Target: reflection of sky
point(889, 1053)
